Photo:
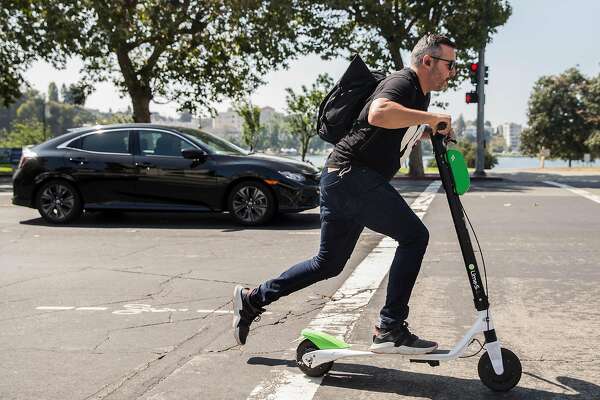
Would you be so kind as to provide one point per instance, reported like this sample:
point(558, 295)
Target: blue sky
point(542, 37)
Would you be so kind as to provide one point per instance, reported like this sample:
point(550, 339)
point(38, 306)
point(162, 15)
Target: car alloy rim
point(250, 204)
point(57, 201)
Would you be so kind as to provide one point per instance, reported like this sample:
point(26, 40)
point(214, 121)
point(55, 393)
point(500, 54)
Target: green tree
point(9, 114)
point(191, 52)
point(556, 120)
point(469, 151)
point(251, 127)
point(302, 109)
point(31, 30)
point(52, 92)
point(497, 144)
point(23, 134)
point(459, 125)
point(591, 114)
point(381, 30)
point(76, 93)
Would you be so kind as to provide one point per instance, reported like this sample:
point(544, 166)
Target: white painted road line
point(340, 314)
point(135, 309)
point(5, 186)
point(575, 190)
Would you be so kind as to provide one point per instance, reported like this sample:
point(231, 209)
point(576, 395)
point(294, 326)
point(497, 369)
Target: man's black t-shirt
point(380, 148)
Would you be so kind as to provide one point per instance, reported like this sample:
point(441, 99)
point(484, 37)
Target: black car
point(149, 167)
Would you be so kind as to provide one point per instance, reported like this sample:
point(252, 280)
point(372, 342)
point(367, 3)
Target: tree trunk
point(138, 88)
point(141, 107)
point(415, 162)
point(569, 163)
point(304, 148)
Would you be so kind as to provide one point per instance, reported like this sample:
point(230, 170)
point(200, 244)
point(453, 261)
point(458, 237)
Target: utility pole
point(481, 81)
point(479, 160)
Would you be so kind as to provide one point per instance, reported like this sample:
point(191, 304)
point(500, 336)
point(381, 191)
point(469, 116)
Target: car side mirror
point(194, 154)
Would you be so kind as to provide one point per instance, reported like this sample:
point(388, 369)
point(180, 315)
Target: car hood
point(284, 162)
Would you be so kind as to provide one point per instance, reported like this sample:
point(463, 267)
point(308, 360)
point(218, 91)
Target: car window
point(106, 142)
point(215, 144)
point(157, 143)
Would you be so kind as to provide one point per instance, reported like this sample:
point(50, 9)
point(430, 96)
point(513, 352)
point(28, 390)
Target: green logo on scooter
point(471, 267)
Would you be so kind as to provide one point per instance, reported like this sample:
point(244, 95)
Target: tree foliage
point(303, 108)
point(251, 127)
point(23, 134)
point(76, 93)
point(31, 30)
point(469, 151)
point(191, 52)
point(562, 116)
point(381, 30)
point(52, 92)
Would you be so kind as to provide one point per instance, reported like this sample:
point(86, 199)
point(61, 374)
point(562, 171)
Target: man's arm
point(388, 114)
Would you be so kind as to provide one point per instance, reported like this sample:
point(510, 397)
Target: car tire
point(59, 202)
point(251, 203)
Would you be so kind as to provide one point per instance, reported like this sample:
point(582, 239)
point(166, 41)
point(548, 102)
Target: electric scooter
point(498, 367)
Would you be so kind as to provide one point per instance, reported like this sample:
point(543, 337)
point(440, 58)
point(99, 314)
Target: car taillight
point(27, 155)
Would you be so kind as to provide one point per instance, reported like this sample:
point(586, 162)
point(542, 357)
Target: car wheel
point(58, 202)
point(251, 203)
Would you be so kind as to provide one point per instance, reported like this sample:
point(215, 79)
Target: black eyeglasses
point(451, 63)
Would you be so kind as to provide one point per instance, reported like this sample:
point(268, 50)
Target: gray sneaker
point(400, 341)
point(244, 314)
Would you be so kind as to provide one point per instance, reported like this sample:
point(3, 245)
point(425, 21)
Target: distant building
point(512, 135)
point(229, 124)
point(470, 130)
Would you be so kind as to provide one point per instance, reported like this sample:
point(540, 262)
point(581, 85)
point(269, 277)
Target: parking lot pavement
point(146, 297)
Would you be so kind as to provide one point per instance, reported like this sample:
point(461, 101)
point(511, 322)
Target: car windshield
point(211, 142)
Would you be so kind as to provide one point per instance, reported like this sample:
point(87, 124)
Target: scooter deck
point(319, 357)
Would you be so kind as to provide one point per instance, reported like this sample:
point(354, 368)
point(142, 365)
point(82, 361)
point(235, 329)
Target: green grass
point(428, 170)
point(5, 168)
point(404, 171)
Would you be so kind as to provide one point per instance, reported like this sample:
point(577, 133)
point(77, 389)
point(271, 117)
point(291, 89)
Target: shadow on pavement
point(216, 221)
point(534, 177)
point(437, 387)
point(271, 362)
point(431, 386)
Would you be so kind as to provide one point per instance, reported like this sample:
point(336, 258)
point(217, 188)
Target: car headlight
point(293, 176)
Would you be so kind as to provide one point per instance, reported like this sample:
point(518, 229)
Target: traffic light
point(471, 97)
point(473, 68)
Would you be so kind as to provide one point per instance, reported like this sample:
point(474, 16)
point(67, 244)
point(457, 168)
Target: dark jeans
point(350, 201)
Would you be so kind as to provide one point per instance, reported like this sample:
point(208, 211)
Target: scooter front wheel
point(509, 378)
point(306, 346)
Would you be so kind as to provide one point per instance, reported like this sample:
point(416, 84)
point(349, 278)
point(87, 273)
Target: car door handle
point(144, 165)
point(78, 160)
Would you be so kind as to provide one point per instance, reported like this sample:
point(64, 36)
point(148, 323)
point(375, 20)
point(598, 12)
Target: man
point(356, 193)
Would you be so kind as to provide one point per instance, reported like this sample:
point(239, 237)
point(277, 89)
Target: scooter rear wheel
point(306, 346)
point(509, 378)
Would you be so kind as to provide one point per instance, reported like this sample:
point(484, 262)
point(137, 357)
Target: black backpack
point(342, 105)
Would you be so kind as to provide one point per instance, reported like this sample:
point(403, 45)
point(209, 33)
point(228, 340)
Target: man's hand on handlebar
point(441, 123)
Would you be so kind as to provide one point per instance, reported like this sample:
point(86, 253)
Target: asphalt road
point(129, 306)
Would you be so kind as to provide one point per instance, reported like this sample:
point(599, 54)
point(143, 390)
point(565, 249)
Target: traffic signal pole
point(479, 160)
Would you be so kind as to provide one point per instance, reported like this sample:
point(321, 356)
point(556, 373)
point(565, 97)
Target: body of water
point(503, 162)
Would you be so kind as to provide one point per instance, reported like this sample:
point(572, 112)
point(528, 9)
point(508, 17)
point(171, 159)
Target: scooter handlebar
point(440, 127)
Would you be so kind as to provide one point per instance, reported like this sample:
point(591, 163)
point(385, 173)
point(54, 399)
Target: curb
point(432, 177)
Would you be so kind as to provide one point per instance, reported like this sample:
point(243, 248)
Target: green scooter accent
point(460, 174)
point(324, 341)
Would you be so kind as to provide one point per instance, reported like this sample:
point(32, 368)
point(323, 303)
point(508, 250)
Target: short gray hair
point(430, 44)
